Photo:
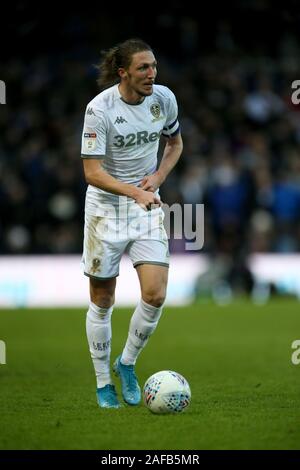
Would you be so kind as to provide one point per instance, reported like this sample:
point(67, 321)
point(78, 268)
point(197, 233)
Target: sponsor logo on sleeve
point(90, 140)
point(90, 112)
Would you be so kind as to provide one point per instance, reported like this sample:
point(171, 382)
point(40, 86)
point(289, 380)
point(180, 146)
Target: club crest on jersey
point(155, 111)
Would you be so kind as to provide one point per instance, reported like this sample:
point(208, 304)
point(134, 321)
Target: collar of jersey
point(126, 102)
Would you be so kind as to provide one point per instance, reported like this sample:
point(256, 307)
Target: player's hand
point(147, 200)
point(151, 182)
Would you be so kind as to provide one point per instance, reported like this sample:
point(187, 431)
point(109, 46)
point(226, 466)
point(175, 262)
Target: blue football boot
point(107, 397)
point(130, 388)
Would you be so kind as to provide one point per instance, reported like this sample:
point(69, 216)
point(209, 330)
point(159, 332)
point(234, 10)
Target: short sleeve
point(93, 142)
point(171, 126)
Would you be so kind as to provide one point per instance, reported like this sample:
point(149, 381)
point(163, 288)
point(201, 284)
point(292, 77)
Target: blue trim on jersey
point(176, 132)
point(172, 135)
point(168, 128)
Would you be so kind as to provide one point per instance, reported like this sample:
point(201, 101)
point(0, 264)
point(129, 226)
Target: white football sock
point(98, 330)
point(143, 322)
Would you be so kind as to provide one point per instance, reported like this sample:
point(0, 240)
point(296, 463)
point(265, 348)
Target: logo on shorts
point(96, 265)
point(90, 111)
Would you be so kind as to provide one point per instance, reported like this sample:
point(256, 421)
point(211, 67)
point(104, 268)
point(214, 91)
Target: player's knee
point(102, 292)
point(155, 298)
point(103, 300)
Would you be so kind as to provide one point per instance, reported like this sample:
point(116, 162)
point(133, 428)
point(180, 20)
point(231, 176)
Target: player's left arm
point(171, 155)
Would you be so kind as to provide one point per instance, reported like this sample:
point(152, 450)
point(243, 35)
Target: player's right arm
point(97, 176)
point(93, 151)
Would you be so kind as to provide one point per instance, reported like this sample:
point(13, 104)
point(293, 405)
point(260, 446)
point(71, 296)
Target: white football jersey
point(126, 138)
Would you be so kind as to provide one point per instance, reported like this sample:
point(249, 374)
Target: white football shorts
point(143, 237)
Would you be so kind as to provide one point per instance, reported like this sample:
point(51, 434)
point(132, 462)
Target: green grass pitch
point(237, 359)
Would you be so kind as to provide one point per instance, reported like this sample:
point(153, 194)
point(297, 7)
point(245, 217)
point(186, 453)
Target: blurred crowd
point(240, 129)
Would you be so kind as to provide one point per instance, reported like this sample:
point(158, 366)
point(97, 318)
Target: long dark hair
point(116, 57)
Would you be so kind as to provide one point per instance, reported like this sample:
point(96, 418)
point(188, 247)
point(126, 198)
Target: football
point(166, 392)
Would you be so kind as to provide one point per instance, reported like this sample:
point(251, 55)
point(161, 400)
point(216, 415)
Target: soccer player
point(122, 128)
